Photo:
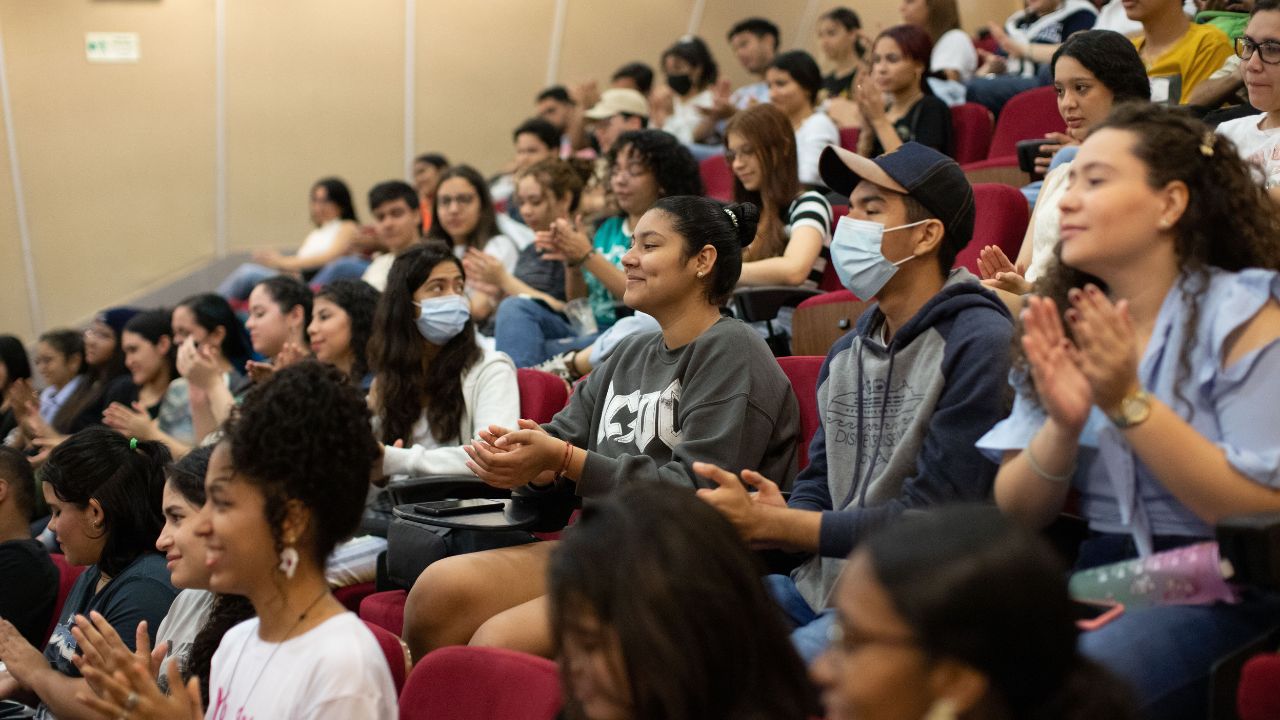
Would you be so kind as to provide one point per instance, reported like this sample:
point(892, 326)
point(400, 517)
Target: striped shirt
point(811, 209)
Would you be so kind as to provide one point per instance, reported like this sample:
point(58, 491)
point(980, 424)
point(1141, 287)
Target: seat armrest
point(761, 303)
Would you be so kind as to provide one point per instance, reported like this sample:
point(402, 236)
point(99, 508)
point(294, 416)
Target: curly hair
point(227, 612)
point(1229, 222)
point(303, 435)
point(671, 163)
point(413, 374)
point(560, 177)
point(359, 300)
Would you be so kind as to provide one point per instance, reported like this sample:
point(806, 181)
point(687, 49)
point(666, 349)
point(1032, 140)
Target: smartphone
point(439, 508)
point(1093, 615)
point(1028, 151)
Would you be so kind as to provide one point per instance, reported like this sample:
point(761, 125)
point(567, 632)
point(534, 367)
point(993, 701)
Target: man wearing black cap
point(903, 397)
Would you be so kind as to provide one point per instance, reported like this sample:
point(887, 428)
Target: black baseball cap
point(929, 177)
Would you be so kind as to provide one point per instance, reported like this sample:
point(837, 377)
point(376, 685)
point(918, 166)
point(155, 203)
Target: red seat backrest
point(849, 138)
point(1258, 695)
point(1001, 219)
point(802, 371)
point(385, 609)
point(1029, 114)
point(971, 126)
point(830, 280)
point(397, 660)
point(468, 683)
point(542, 394)
point(717, 178)
point(67, 575)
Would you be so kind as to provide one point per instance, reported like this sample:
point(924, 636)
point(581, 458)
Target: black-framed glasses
point(1245, 47)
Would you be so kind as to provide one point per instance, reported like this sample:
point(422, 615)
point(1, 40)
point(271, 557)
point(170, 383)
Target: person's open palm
point(1065, 393)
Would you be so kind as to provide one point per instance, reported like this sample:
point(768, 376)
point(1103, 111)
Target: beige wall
point(119, 164)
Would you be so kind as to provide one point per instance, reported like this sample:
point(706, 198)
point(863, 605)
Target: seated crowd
point(225, 479)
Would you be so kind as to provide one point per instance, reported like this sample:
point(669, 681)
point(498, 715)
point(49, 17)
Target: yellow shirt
point(1200, 52)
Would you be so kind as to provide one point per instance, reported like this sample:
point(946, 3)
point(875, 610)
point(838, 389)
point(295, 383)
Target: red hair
point(915, 44)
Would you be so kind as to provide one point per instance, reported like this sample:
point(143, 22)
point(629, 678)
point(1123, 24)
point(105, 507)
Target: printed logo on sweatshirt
point(901, 405)
point(637, 418)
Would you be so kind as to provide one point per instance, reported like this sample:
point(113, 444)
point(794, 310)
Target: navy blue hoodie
point(898, 423)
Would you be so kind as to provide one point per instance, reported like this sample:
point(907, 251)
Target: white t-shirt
point(815, 133)
point(500, 246)
point(685, 115)
point(378, 270)
point(954, 51)
point(321, 239)
point(757, 91)
point(1112, 17)
point(188, 613)
point(335, 671)
point(1260, 148)
point(1046, 221)
point(491, 396)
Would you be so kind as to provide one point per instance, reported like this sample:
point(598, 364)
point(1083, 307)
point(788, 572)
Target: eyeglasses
point(633, 170)
point(459, 200)
point(1245, 47)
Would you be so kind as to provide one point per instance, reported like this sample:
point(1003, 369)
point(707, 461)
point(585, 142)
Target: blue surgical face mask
point(441, 319)
point(855, 251)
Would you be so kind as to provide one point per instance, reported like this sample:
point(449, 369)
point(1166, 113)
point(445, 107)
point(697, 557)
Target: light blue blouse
point(1238, 408)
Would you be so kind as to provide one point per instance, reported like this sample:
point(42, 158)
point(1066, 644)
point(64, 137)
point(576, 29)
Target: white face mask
point(855, 251)
point(442, 318)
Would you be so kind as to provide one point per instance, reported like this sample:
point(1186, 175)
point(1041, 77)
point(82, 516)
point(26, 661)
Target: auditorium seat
point(396, 653)
point(802, 371)
point(1001, 220)
point(1030, 114)
point(67, 575)
point(481, 683)
point(717, 178)
point(385, 609)
point(971, 132)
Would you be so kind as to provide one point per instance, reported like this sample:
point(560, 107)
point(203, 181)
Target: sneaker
point(561, 366)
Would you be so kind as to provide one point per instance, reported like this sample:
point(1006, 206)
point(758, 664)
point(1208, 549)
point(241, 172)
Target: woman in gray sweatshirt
point(704, 388)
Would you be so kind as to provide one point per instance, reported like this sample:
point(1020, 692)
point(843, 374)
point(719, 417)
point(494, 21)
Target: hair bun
point(746, 217)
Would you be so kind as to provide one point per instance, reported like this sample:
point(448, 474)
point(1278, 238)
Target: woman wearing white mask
point(434, 386)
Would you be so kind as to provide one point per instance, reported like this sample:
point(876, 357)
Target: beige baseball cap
point(619, 100)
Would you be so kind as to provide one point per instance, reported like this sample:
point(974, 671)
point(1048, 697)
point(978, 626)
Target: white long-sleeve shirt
point(491, 396)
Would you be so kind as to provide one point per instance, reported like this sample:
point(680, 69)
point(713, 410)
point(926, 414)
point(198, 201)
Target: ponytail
point(729, 229)
point(125, 476)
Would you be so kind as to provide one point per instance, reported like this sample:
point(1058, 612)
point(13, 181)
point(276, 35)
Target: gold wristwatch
point(1135, 408)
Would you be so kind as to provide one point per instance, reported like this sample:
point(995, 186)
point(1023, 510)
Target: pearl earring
point(700, 273)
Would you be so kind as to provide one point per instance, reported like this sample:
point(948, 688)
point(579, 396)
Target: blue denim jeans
point(530, 332)
point(810, 628)
point(1166, 653)
point(347, 267)
point(240, 282)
